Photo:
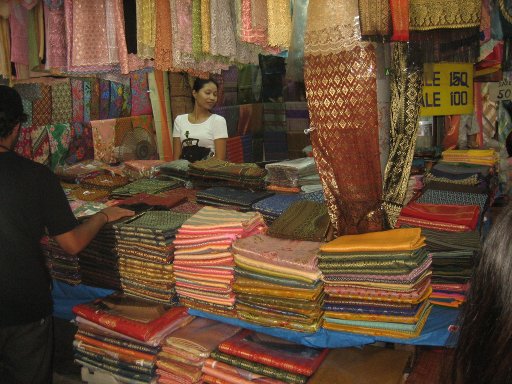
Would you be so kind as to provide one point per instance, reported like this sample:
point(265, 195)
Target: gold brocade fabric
point(146, 28)
point(425, 15)
point(205, 25)
point(406, 94)
point(279, 23)
point(374, 16)
point(163, 39)
point(5, 49)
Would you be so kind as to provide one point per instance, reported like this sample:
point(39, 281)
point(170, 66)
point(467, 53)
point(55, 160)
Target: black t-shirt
point(31, 199)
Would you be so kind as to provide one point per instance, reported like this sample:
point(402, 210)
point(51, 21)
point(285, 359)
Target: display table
point(435, 332)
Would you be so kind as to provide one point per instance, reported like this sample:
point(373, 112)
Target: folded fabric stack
point(247, 175)
point(272, 207)
point(459, 174)
point(146, 251)
point(185, 351)
point(278, 283)
point(226, 196)
point(151, 186)
point(293, 173)
point(144, 201)
point(453, 257)
point(377, 283)
point(62, 265)
point(203, 260)
point(137, 169)
point(451, 218)
point(98, 187)
point(255, 357)
point(471, 156)
point(121, 336)
point(176, 168)
point(98, 261)
point(303, 220)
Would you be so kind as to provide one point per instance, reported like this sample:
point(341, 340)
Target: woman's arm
point(176, 148)
point(220, 148)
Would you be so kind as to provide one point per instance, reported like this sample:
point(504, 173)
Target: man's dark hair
point(11, 110)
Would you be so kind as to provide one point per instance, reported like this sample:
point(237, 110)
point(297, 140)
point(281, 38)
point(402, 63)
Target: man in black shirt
point(31, 200)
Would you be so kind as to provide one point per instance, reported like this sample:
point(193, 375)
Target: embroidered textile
point(374, 17)
point(406, 95)
point(341, 92)
point(426, 14)
point(55, 35)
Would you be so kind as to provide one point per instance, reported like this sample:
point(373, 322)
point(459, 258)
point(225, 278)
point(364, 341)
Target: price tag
point(501, 90)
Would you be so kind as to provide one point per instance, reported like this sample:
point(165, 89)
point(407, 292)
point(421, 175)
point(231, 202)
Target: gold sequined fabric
point(340, 79)
point(146, 28)
point(406, 94)
point(205, 25)
point(374, 16)
point(434, 14)
point(279, 23)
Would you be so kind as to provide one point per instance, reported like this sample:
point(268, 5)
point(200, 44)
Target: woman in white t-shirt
point(207, 127)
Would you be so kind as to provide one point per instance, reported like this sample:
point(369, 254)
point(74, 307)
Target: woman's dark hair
point(11, 110)
point(484, 350)
point(200, 83)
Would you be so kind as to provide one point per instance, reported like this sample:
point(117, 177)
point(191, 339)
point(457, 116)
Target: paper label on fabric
point(447, 89)
point(501, 90)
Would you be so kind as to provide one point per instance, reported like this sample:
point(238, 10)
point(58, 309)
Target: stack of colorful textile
point(151, 186)
point(303, 220)
point(185, 351)
point(460, 174)
point(453, 257)
point(177, 169)
point(98, 187)
point(62, 265)
point(225, 196)
point(203, 261)
point(377, 283)
point(263, 359)
point(145, 250)
point(122, 336)
point(272, 207)
point(247, 175)
point(98, 261)
point(293, 173)
point(278, 283)
point(451, 218)
point(471, 156)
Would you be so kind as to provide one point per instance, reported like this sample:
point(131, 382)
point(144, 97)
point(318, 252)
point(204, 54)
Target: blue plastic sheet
point(66, 296)
point(435, 333)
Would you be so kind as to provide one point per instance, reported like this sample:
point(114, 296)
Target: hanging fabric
point(160, 102)
point(406, 95)
point(374, 17)
point(341, 87)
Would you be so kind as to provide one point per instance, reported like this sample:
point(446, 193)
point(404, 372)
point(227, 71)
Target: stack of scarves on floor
point(272, 207)
point(278, 283)
point(212, 170)
point(303, 220)
point(184, 352)
point(251, 357)
point(377, 283)
point(241, 199)
point(146, 251)
point(293, 173)
point(62, 265)
point(150, 186)
point(471, 156)
point(453, 256)
point(203, 260)
point(121, 336)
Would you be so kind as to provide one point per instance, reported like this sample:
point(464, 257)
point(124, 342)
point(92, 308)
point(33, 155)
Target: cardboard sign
point(447, 89)
point(501, 90)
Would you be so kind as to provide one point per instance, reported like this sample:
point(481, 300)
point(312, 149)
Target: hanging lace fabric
point(341, 86)
point(406, 95)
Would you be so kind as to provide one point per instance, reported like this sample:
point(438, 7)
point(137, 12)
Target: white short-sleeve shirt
point(213, 128)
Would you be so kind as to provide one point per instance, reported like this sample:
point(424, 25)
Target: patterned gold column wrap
point(406, 82)
point(375, 17)
point(340, 79)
